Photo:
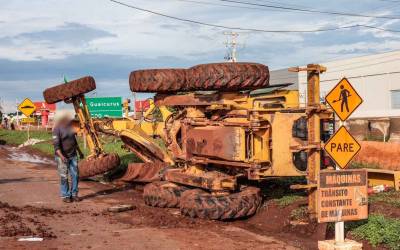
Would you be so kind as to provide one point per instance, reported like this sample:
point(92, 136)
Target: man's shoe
point(67, 200)
point(76, 199)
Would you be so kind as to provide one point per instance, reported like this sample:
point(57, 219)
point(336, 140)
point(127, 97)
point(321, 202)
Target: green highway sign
point(100, 107)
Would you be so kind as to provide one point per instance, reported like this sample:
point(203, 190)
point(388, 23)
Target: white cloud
point(33, 32)
point(144, 34)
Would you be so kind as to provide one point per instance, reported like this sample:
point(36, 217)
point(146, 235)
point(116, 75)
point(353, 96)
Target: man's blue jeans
point(68, 168)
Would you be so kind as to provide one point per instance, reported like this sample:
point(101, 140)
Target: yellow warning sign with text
point(343, 99)
point(342, 147)
point(342, 195)
point(27, 107)
point(28, 120)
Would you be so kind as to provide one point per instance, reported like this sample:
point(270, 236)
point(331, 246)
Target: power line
point(232, 6)
point(224, 5)
point(362, 62)
point(353, 77)
point(310, 10)
point(390, 1)
point(266, 9)
point(361, 76)
point(250, 29)
point(341, 70)
point(280, 3)
point(364, 66)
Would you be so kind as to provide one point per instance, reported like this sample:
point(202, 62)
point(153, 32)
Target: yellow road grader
point(223, 129)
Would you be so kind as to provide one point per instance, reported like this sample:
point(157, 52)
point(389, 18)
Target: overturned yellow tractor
point(227, 126)
point(224, 128)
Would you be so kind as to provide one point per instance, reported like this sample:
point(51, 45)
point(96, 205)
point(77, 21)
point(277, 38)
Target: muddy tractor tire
point(163, 194)
point(205, 77)
point(70, 89)
point(228, 76)
point(201, 204)
point(158, 80)
point(95, 166)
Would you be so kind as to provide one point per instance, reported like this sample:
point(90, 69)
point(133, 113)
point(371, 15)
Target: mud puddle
point(19, 154)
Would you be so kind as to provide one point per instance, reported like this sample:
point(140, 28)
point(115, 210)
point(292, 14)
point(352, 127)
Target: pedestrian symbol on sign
point(343, 99)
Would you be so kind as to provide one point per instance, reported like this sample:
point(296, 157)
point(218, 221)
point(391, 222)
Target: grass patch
point(287, 200)
point(358, 165)
point(299, 214)
point(391, 198)
point(111, 144)
point(278, 190)
point(17, 137)
point(379, 230)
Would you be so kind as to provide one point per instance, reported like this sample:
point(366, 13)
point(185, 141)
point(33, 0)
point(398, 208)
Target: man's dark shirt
point(64, 139)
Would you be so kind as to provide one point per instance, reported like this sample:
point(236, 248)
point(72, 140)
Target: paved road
point(86, 225)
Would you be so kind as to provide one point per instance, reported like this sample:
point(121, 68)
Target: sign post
point(27, 107)
point(342, 193)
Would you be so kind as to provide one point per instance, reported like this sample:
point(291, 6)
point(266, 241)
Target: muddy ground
point(30, 206)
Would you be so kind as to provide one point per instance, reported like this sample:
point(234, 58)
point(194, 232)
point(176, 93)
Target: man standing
point(66, 149)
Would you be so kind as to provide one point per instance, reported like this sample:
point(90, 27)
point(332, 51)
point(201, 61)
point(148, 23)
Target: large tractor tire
point(70, 89)
point(201, 204)
point(158, 80)
point(99, 165)
point(228, 76)
point(205, 77)
point(163, 194)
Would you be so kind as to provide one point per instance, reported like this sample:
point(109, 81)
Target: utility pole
point(231, 44)
point(16, 105)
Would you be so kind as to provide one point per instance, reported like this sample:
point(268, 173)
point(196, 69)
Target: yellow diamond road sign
point(27, 107)
point(343, 99)
point(342, 147)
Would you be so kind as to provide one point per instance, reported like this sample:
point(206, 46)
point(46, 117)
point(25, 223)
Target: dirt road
point(30, 206)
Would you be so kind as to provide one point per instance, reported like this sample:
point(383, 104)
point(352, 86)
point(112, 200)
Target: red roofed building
point(44, 110)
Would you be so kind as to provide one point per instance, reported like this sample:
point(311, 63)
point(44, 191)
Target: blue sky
point(42, 40)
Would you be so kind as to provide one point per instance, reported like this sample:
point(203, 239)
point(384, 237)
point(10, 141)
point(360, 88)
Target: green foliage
point(16, 137)
point(44, 147)
point(276, 188)
point(111, 144)
point(371, 137)
point(391, 198)
point(287, 200)
point(379, 230)
point(300, 213)
point(358, 165)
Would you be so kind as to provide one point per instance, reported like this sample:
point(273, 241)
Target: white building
point(375, 77)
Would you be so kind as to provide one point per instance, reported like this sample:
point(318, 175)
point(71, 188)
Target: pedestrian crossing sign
point(343, 99)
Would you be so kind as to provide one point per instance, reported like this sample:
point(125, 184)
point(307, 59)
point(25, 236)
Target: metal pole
point(16, 102)
point(339, 226)
point(29, 125)
point(134, 105)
